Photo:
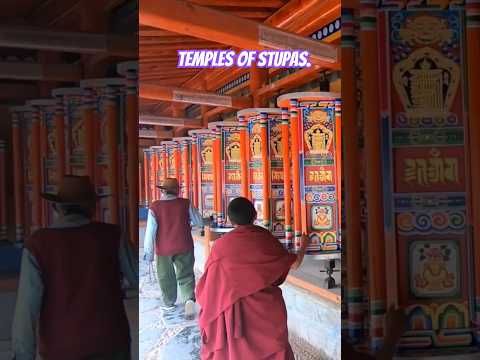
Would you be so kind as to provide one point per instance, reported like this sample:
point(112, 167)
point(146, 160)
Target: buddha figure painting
point(318, 138)
point(233, 149)
point(256, 146)
point(51, 143)
point(276, 142)
point(207, 155)
point(322, 217)
point(78, 136)
point(280, 209)
point(434, 268)
point(258, 204)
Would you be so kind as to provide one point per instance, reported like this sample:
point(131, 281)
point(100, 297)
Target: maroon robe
point(243, 315)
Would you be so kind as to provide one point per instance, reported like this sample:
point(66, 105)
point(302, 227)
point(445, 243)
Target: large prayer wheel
point(264, 155)
point(129, 70)
point(44, 164)
point(149, 176)
point(315, 147)
point(185, 172)
point(203, 139)
point(108, 150)
point(21, 142)
point(227, 167)
point(69, 109)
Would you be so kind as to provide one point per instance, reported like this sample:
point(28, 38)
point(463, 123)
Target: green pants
point(173, 270)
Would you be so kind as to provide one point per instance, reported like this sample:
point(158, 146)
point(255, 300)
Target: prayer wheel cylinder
point(314, 126)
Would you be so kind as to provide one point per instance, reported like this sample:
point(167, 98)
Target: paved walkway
point(163, 336)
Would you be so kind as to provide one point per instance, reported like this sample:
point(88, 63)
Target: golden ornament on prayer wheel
point(314, 122)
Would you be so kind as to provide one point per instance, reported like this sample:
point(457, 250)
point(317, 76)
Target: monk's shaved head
point(241, 211)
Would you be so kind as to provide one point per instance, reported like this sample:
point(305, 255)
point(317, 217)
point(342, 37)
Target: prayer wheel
point(106, 153)
point(21, 142)
point(185, 177)
point(69, 115)
point(44, 165)
point(157, 167)
point(315, 147)
point(203, 168)
point(129, 70)
point(227, 174)
point(264, 154)
point(172, 155)
point(149, 175)
point(3, 191)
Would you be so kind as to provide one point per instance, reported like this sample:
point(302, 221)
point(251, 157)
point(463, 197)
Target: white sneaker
point(189, 310)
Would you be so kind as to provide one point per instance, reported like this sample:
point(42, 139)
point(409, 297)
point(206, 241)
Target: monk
point(243, 315)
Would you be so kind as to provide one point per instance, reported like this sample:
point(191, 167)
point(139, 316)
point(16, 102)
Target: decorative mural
point(205, 148)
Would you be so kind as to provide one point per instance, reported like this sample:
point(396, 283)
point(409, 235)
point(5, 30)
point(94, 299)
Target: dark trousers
point(173, 270)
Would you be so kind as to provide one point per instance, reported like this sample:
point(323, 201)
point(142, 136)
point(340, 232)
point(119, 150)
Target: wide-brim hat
point(74, 190)
point(169, 185)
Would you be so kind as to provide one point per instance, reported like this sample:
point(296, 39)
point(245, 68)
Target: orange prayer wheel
point(205, 166)
point(155, 181)
point(266, 168)
point(242, 123)
point(228, 157)
point(34, 150)
point(69, 108)
point(130, 71)
point(46, 109)
point(185, 178)
point(21, 129)
point(108, 145)
point(147, 167)
point(287, 177)
point(314, 117)
point(157, 166)
point(3, 191)
point(195, 180)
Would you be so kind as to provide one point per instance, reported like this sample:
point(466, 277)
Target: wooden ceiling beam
point(173, 94)
point(40, 72)
point(149, 119)
point(74, 42)
point(49, 12)
point(18, 92)
point(181, 17)
point(157, 133)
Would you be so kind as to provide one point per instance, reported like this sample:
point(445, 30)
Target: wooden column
point(265, 169)
point(133, 177)
point(89, 126)
point(36, 172)
point(244, 155)
point(297, 217)
point(287, 180)
point(111, 113)
point(473, 55)
point(258, 79)
point(373, 151)
point(18, 178)
point(3, 191)
point(351, 158)
point(195, 177)
point(60, 138)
